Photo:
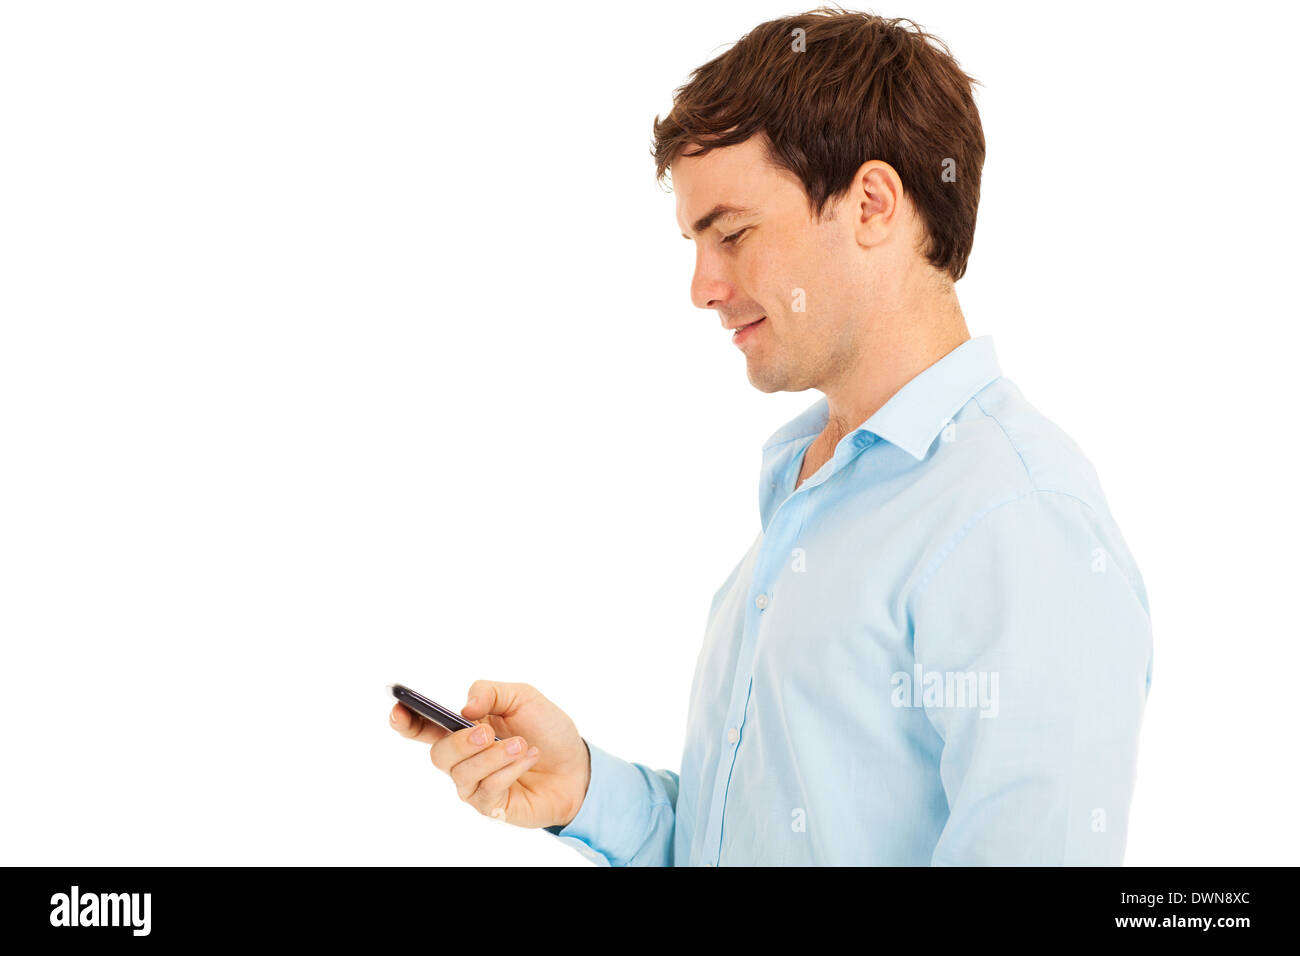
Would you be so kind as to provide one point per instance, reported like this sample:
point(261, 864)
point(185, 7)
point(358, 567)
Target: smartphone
point(434, 711)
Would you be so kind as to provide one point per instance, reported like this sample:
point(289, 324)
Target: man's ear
point(876, 197)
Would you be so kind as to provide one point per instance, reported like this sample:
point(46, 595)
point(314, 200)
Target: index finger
point(414, 727)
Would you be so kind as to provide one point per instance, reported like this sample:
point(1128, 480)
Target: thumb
point(495, 697)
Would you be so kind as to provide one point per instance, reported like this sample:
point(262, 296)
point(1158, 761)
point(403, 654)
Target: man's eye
point(734, 236)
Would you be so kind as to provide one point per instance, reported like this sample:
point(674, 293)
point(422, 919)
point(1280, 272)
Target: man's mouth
point(745, 331)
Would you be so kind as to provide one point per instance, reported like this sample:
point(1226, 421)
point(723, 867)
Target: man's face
point(771, 263)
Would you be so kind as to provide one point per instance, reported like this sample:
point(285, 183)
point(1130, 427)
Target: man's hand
point(535, 776)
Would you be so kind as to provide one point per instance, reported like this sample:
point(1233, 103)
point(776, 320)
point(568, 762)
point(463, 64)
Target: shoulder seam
point(1010, 441)
point(960, 534)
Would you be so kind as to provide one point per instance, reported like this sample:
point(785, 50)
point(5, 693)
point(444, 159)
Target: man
point(937, 650)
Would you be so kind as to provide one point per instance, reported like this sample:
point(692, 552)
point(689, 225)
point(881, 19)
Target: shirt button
point(861, 440)
point(760, 602)
point(732, 735)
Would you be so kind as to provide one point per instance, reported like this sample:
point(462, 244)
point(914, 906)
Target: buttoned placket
point(778, 541)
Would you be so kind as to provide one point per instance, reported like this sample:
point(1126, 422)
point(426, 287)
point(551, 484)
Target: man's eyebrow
point(720, 211)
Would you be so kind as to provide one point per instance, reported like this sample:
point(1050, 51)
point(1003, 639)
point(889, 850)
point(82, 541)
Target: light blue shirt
point(937, 651)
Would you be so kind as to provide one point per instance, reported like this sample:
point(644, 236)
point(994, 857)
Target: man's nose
point(710, 287)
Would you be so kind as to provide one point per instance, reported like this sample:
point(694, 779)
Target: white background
point(350, 343)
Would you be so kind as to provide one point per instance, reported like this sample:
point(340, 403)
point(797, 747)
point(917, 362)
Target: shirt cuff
point(598, 831)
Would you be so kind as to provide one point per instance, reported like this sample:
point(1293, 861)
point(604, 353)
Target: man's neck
point(882, 368)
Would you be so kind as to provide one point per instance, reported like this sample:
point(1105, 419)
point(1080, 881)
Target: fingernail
point(514, 746)
point(470, 702)
point(532, 751)
point(479, 736)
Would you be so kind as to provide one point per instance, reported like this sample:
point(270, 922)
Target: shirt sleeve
point(628, 816)
point(1039, 613)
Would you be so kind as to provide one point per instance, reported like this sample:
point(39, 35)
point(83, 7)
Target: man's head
point(827, 167)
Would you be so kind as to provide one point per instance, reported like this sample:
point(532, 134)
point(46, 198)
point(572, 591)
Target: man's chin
point(766, 379)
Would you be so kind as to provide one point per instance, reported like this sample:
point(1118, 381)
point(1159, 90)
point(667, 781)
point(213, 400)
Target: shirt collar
point(918, 411)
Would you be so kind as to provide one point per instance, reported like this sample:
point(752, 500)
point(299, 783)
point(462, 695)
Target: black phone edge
point(440, 715)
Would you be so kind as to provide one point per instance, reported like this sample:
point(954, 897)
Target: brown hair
point(866, 88)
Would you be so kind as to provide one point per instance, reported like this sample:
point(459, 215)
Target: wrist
point(572, 813)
